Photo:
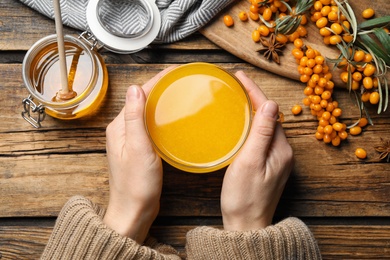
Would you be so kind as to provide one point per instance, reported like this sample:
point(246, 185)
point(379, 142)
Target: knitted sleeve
point(289, 239)
point(79, 233)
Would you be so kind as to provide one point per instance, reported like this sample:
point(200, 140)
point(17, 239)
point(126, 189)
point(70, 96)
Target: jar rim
point(36, 49)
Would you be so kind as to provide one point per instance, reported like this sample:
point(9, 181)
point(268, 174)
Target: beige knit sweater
point(80, 233)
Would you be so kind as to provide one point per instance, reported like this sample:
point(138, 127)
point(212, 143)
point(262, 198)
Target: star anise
point(384, 149)
point(271, 48)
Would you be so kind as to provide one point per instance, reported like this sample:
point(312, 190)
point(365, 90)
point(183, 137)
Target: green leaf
point(353, 21)
point(383, 37)
point(374, 23)
point(376, 49)
point(380, 97)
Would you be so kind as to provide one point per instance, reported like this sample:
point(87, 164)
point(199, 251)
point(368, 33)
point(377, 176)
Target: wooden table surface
point(344, 200)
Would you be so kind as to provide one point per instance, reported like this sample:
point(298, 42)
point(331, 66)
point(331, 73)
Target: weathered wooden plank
point(335, 242)
point(39, 185)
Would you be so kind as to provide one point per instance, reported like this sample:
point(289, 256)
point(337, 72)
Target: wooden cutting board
point(237, 39)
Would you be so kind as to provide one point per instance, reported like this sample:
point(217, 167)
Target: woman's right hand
point(254, 182)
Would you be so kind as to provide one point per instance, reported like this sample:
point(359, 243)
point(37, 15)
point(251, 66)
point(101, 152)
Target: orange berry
point(336, 28)
point(327, 138)
point(363, 122)
point(326, 95)
point(365, 96)
point(337, 126)
point(343, 135)
point(337, 112)
point(264, 30)
point(297, 53)
point(267, 14)
point(336, 141)
point(328, 129)
point(243, 16)
point(228, 20)
point(359, 55)
point(256, 36)
point(361, 153)
point(367, 57)
point(298, 43)
point(369, 70)
point(374, 98)
point(333, 16)
point(322, 22)
point(302, 31)
point(368, 13)
point(356, 130)
point(281, 38)
point(254, 16)
point(319, 136)
point(325, 32)
point(368, 83)
point(335, 39)
point(296, 110)
point(325, 10)
point(357, 76)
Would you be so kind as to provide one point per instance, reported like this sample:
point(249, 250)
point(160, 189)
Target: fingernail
point(270, 109)
point(132, 93)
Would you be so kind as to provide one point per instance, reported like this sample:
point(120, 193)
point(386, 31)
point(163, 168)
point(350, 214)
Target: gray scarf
point(179, 18)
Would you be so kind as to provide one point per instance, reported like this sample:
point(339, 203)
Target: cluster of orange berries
point(326, 14)
point(315, 73)
point(363, 76)
point(269, 10)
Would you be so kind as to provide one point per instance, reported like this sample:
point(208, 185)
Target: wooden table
point(344, 200)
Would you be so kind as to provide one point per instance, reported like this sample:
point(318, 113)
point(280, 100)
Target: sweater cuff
point(289, 239)
point(79, 233)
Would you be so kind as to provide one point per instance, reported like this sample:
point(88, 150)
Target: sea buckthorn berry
point(365, 96)
point(368, 13)
point(256, 36)
point(228, 20)
point(281, 38)
point(347, 37)
point(327, 138)
point(358, 55)
point(243, 16)
point(326, 115)
point(343, 135)
point(319, 60)
point(254, 16)
point(315, 78)
point(325, 2)
point(317, 69)
point(307, 71)
point(328, 76)
point(336, 27)
point(325, 10)
point(303, 20)
point(306, 101)
point(297, 53)
point(333, 16)
point(369, 70)
point(302, 31)
point(328, 129)
point(292, 37)
point(296, 110)
point(367, 57)
point(304, 78)
point(375, 82)
point(264, 30)
point(347, 25)
point(322, 82)
point(316, 16)
point(368, 83)
point(332, 120)
point(355, 85)
point(361, 153)
point(344, 76)
point(324, 103)
point(363, 122)
point(315, 99)
point(317, 5)
point(303, 61)
point(254, 8)
point(337, 126)
point(335, 39)
point(337, 112)
point(374, 98)
point(356, 130)
point(273, 8)
point(325, 32)
point(277, 3)
point(267, 14)
point(322, 122)
point(336, 141)
point(326, 95)
point(322, 22)
point(308, 91)
point(311, 63)
point(319, 136)
point(329, 85)
point(298, 43)
point(318, 90)
point(357, 76)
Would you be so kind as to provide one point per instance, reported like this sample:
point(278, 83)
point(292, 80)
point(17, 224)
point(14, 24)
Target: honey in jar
point(87, 76)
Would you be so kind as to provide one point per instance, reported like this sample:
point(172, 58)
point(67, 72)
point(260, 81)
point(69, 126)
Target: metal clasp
point(91, 40)
point(31, 107)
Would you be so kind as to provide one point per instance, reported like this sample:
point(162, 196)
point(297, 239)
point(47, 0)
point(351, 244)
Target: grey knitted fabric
point(179, 18)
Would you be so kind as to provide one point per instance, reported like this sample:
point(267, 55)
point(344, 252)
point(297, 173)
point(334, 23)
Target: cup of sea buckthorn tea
point(198, 116)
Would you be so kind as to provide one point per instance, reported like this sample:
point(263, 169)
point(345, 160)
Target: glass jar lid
point(124, 26)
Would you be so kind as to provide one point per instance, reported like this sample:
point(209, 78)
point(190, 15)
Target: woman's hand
point(135, 168)
point(255, 180)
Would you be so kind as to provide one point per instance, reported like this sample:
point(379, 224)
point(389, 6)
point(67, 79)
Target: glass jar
point(198, 117)
point(87, 76)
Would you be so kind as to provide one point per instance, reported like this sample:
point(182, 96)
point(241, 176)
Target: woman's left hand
point(135, 168)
